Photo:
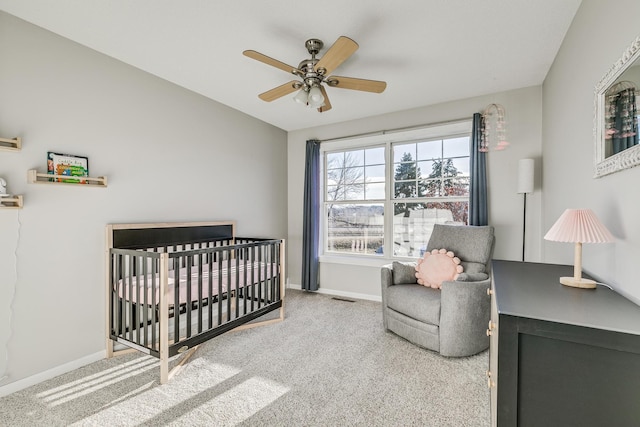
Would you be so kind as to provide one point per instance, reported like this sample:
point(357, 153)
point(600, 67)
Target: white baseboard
point(50, 373)
point(338, 293)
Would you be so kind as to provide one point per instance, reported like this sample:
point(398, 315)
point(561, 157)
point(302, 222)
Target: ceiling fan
point(314, 72)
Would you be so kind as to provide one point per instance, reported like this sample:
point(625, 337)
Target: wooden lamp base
point(578, 283)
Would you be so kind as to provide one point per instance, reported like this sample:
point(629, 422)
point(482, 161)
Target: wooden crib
point(173, 286)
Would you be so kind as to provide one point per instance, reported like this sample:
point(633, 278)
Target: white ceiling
point(428, 51)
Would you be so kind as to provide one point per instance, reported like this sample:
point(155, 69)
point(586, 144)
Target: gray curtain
point(478, 212)
point(311, 218)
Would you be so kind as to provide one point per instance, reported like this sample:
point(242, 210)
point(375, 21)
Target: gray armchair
point(451, 320)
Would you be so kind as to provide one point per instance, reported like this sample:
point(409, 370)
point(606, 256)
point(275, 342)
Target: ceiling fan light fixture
point(301, 97)
point(315, 99)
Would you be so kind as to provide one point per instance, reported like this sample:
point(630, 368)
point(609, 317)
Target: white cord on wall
point(12, 299)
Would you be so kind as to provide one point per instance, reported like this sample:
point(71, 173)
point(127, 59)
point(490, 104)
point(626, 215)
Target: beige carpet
point(328, 364)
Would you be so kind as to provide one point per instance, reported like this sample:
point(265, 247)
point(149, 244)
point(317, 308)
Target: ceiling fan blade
point(270, 61)
point(357, 84)
point(280, 91)
point(343, 48)
point(327, 104)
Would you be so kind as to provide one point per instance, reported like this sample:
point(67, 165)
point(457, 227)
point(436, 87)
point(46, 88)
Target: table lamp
point(578, 226)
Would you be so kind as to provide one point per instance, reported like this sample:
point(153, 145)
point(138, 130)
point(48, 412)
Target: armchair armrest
point(465, 310)
point(386, 277)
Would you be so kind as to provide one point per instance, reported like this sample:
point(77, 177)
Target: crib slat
point(138, 263)
point(145, 312)
point(210, 306)
point(237, 293)
point(246, 284)
point(200, 297)
point(252, 258)
point(154, 304)
point(116, 296)
point(189, 302)
point(176, 299)
point(228, 254)
point(219, 255)
point(130, 309)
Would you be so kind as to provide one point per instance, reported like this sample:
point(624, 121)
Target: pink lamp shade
point(578, 226)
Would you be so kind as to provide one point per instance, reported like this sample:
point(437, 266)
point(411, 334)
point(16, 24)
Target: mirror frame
point(631, 156)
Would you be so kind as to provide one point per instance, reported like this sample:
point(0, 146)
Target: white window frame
point(386, 139)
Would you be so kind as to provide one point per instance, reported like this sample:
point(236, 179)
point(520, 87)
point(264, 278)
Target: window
point(384, 196)
point(354, 200)
point(430, 185)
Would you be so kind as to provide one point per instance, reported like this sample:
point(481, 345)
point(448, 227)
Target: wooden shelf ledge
point(35, 177)
point(14, 144)
point(11, 202)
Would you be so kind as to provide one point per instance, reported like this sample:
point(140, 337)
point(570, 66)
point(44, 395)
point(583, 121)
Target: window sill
point(363, 261)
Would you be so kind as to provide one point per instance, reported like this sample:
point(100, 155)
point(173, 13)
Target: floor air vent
point(342, 299)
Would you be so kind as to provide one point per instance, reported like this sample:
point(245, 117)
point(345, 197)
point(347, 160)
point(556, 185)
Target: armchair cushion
point(416, 302)
point(404, 272)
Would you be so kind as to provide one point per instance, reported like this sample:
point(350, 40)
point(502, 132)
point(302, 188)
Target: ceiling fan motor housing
point(313, 46)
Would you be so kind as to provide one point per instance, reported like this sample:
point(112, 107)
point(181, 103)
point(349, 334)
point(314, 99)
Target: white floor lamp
point(525, 186)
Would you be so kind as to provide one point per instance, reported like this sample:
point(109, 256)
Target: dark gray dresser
point(561, 356)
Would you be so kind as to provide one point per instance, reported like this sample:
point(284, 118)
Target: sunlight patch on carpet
point(85, 385)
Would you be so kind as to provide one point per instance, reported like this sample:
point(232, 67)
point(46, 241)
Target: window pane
point(430, 150)
point(356, 228)
point(405, 189)
point(425, 169)
point(374, 156)
point(405, 171)
point(404, 152)
point(354, 158)
point(413, 224)
point(332, 193)
point(353, 175)
point(456, 187)
point(374, 173)
point(353, 192)
point(462, 165)
point(335, 160)
point(431, 187)
point(456, 147)
point(375, 191)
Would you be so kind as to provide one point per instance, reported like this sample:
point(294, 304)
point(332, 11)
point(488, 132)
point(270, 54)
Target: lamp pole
point(525, 185)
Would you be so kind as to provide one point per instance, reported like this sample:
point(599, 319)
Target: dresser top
point(533, 290)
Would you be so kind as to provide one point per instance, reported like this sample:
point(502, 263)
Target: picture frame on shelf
point(68, 165)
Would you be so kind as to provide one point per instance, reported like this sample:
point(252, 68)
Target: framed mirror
point(616, 131)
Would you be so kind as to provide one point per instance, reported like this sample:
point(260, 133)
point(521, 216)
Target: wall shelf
point(11, 202)
point(14, 144)
point(35, 177)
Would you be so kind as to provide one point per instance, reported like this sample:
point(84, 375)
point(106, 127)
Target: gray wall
point(599, 34)
point(169, 155)
point(524, 114)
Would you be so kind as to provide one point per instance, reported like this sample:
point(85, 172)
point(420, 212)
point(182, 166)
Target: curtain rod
point(396, 130)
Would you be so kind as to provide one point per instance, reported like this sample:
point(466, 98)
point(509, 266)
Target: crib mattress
point(222, 280)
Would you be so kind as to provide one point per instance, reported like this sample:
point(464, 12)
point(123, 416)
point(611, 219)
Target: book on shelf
point(67, 165)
